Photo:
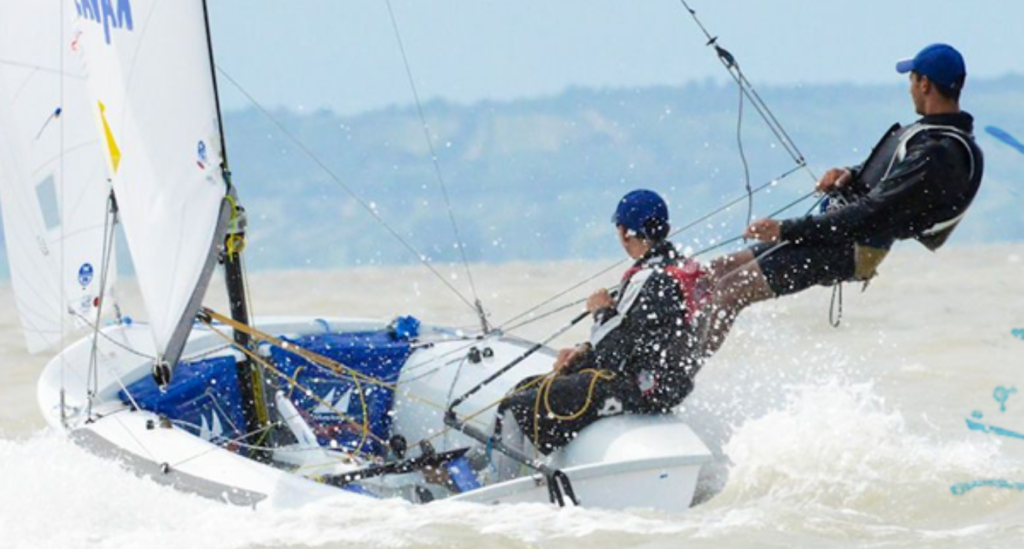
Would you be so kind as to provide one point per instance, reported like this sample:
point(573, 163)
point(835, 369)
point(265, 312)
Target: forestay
point(150, 76)
point(53, 179)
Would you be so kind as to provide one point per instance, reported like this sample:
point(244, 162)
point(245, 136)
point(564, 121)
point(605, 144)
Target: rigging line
point(363, 424)
point(734, 70)
point(311, 356)
point(131, 397)
point(438, 358)
point(732, 67)
point(460, 243)
point(746, 90)
point(116, 417)
point(61, 128)
point(743, 158)
point(771, 215)
point(468, 418)
point(107, 253)
point(678, 231)
point(352, 194)
point(60, 184)
point(215, 447)
point(183, 423)
point(98, 331)
point(775, 121)
point(695, 254)
point(136, 352)
point(546, 314)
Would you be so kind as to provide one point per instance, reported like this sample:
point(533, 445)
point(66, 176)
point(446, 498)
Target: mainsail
point(149, 71)
point(53, 178)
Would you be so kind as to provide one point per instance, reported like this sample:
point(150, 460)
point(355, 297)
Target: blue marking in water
point(85, 273)
point(1001, 394)
point(1005, 138)
point(964, 487)
point(975, 426)
point(1018, 333)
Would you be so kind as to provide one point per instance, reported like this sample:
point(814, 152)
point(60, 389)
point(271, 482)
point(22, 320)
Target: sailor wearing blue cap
point(643, 349)
point(942, 67)
point(917, 183)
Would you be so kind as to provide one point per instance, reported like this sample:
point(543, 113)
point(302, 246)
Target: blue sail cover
point(379, 355)
point(203, 398)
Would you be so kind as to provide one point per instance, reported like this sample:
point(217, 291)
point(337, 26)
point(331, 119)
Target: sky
point(343, 55)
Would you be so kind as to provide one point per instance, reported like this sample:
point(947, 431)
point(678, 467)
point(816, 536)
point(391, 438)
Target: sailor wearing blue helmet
point(643, 350)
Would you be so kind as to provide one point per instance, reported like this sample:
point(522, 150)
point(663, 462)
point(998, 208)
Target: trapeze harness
point(869, 255)
point(691, 278)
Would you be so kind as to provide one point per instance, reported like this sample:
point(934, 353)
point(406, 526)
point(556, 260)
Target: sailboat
point(110, 116)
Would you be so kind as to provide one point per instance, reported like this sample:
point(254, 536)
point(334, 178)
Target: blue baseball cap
point(941, 63)
point(643, 212)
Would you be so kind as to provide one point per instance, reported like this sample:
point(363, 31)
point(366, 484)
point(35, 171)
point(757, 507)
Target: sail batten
point(148, 68)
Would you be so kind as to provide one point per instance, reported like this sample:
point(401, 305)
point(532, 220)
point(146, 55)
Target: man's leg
point(551, 415)
point(765, 271)
point(736, 282)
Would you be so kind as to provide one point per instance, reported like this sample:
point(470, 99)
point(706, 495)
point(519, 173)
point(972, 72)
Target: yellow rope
point(597, 375)
point(364, 426)
point(340, 368)
point(544, 394)
point(466, 419)
point(294, 381)
point(311, 356)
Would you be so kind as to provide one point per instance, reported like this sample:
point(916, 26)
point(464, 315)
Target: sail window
point(46, 194)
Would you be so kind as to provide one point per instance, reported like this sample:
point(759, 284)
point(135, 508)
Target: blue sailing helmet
point(644, 213)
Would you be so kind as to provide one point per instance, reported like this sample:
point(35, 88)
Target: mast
point(250, 379)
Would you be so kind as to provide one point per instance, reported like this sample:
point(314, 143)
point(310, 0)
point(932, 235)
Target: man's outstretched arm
point(887, 210)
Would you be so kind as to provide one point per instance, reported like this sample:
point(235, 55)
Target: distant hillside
point(537, 179)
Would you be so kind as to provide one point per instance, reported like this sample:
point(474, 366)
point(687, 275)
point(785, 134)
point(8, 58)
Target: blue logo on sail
point(201, 155)
point(112, 14)
point(85, 274)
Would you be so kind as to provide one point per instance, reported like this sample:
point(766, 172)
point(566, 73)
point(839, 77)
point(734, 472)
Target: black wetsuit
point(916, 183)
point(642, 359)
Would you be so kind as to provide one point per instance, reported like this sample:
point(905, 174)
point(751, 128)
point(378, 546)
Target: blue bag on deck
point(379, 355)
point(202, 398)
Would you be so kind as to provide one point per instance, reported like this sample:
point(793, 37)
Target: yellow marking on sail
point(115, 152)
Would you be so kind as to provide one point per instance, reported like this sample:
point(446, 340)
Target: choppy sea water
point(859, 436)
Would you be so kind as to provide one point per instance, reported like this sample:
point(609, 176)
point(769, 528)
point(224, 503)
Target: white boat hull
point(619, 462)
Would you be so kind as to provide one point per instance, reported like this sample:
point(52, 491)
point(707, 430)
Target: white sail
point(149, 70)
point(53, 179)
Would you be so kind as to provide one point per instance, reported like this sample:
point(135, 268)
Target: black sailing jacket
point(646, 337)
point(921, 194)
